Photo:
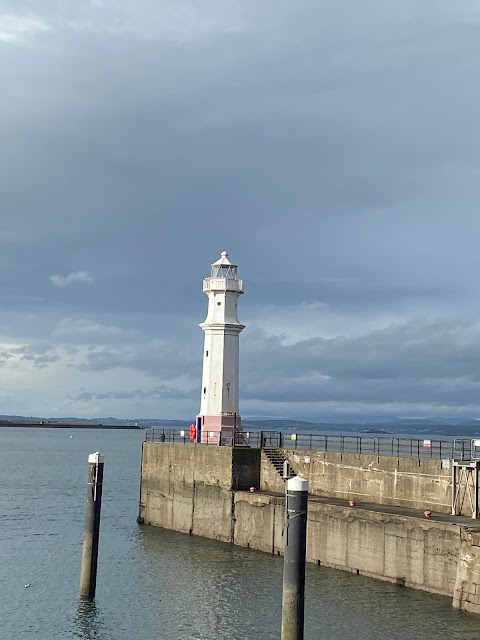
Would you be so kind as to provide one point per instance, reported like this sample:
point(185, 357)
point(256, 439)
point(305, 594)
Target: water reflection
point(210, 590)
point(206, 590)
point(87, 621)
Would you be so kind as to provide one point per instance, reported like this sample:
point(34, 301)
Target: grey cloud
point(40, 362)
point(156, 393)
point(165, 359)
point(330, 148)
point(453, 393)
point(417, 349)
point(76, 277)
point(434, 363)
point(40, 356)
point(79, 329)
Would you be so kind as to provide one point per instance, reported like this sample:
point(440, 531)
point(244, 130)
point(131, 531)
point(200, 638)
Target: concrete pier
point(215, 492)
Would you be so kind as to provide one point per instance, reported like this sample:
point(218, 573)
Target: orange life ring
point(193, 432)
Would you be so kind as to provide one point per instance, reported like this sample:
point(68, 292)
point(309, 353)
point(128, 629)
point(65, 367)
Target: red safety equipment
point(193, 432)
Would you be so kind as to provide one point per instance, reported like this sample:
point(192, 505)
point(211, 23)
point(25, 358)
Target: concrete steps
point(277, 459)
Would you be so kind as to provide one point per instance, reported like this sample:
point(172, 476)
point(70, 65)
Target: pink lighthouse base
point(218, 430)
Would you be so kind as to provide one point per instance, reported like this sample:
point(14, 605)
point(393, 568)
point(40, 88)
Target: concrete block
point(254, 522)
point(476, 539)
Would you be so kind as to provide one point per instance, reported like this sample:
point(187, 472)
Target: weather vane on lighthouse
point(219, 417)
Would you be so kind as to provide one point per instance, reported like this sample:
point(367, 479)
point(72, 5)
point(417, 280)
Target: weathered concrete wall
point(259, 521)
point(191, 488)
point(270, 479)
point(409, 551)
point(407, 482)
point(188, 487)
point(404, 482)
point(466, 595)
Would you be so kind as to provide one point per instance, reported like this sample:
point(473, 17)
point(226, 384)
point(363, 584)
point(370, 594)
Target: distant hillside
point(440, 427)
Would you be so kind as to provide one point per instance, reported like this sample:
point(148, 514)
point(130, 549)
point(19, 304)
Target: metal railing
point(178, 436)
point(458, 449)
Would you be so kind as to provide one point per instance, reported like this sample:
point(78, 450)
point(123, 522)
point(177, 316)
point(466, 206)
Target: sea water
point(155, 584)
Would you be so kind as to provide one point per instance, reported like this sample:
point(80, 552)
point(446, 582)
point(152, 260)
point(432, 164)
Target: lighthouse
point(219, 409)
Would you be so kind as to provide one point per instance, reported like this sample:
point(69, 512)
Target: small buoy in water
point(28, 584)
point(351, 503)
point(252, 489)
point(427, 514)
point(71, 436)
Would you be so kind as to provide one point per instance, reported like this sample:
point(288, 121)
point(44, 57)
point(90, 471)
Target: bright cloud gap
point(76, 277)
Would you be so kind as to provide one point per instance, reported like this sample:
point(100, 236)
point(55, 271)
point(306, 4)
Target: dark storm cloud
point(417, 363)
point(433, 350)
point(331, 148)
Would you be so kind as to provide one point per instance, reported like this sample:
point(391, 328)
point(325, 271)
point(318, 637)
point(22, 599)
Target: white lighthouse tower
point(219, 413)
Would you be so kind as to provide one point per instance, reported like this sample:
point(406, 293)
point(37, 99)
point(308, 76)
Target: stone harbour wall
point(408, 551)
point(188, 487)
point(205, 490)
point(418, 483)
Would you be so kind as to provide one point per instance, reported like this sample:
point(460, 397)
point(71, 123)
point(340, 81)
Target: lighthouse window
point(219, 303)
point(206, 354)
point(204, 390)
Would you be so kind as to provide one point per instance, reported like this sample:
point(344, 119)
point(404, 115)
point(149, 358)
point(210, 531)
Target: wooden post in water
point(293, 601)
point(88, 578)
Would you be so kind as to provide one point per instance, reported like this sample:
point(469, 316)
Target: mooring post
point(88, 578)
point(293, 601)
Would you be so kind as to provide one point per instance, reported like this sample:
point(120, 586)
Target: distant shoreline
point(54, 425)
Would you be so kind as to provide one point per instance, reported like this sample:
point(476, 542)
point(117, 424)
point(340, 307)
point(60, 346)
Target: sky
point(331, 147)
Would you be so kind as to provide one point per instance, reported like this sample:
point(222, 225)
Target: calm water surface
point(161, 585)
